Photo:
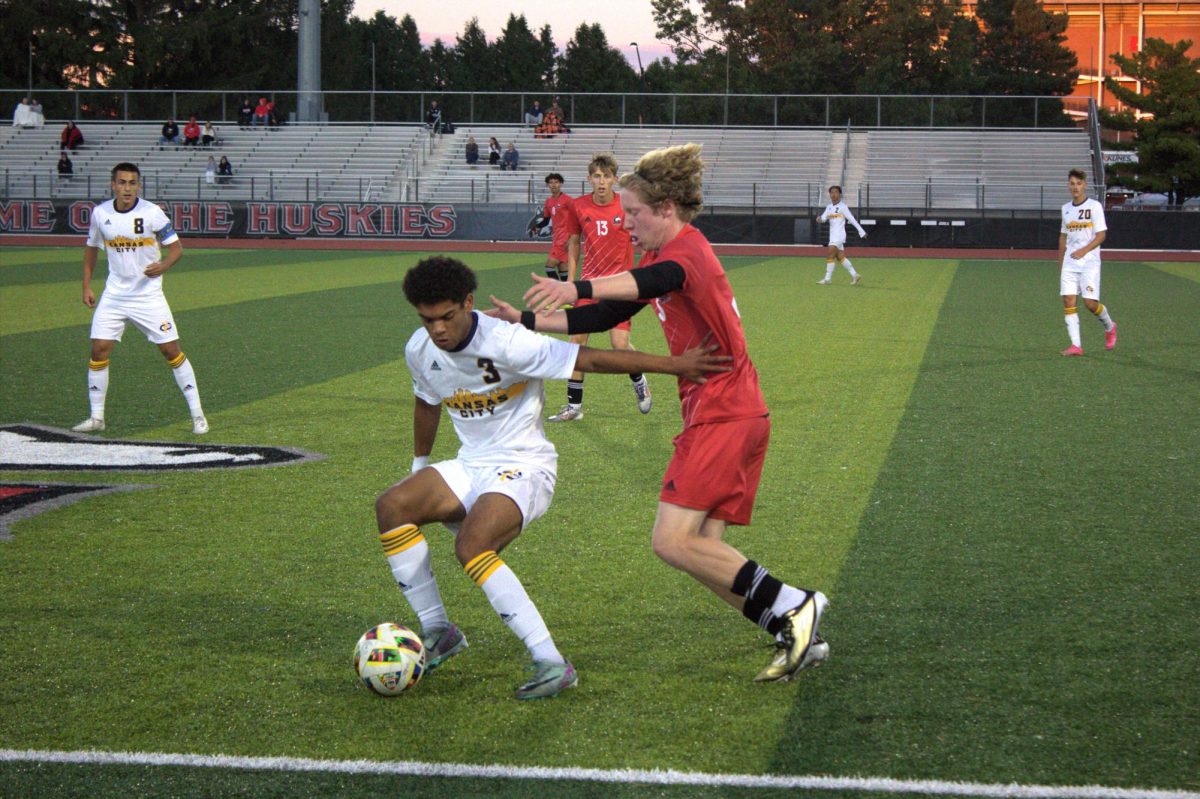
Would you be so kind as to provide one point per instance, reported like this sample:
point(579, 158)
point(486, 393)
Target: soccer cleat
point(857, 279)
point(799, 646)
point(89, 425)
point(824, 282)
point(569, 413)
point(441, 644)
point(1072, 350)
point(199, 425)
point(1110, 337)
point(549, 679)
point(644, 400)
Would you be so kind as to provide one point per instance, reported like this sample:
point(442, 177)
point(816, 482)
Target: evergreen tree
point(1168, 134)
point(589, 64)
point(1022, 49)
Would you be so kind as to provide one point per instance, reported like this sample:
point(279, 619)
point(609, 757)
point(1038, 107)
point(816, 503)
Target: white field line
point(629, 776)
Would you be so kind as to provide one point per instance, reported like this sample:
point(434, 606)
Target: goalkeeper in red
point(713, 475)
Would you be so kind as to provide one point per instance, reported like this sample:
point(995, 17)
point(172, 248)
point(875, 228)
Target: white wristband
point(420, 462)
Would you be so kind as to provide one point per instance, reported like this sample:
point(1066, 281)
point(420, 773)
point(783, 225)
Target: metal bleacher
point(745, 167)
point(300, 162)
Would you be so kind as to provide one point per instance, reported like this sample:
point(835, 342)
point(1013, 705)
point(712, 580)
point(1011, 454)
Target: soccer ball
point(389, 658)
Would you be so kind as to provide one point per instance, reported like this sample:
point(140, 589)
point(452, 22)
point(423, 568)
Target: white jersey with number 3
point(492, 388)
point(1080, 224)
point(130, 240)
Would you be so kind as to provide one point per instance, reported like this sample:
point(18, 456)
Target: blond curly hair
point(671, 173)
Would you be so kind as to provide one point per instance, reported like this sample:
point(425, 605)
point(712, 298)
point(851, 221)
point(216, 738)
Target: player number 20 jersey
point(1080, 224)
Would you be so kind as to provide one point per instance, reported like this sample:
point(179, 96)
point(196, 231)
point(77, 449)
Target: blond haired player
point(837, 213)
point(132, 231)
point(1079, 239)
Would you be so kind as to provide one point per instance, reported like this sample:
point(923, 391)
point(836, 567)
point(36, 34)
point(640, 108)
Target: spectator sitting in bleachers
point(493, 151)
point(224, 171)
point(65, 167)
point(191, 133)
point(245, 113)
point(511, 159)
point(28, 114)
point(72, 137)
point(433, 118)
point(534, 115)
point(170, 132)
point(472, 151)
point(210, 135)
point(210, 171)
point(552, 123)
point(262, 112)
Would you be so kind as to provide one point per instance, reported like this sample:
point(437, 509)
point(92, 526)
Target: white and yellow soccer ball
point(389, 658)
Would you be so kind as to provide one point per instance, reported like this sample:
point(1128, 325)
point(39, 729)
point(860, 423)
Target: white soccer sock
point(829, 265)
point(1073, 326)
point(408, 556)
point(849, 267)
point(1101, 313)
point(789, 597)
point(185, 378)
point(513, 605)
point(97, 386)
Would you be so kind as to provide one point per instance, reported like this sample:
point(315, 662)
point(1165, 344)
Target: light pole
point(372, 83)
point(31, 69)
point(641, 82)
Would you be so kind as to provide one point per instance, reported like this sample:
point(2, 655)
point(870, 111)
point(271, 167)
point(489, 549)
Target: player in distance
point(132, 232)
point(1082, 232)
point(714, 473)
point(556, 261)
point(594, 225)
point(488, 375)
point(837, 214)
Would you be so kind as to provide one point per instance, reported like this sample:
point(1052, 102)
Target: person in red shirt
point(555, 204)
point(594, 224)
point(714, 473)
point(191, 133)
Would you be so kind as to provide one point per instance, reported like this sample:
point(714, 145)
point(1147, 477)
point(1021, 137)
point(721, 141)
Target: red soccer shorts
point(717, 466)
point(559, 253)
point(623, 326)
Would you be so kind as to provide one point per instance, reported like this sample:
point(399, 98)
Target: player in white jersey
point(488, 374)
point(132, 231)
point(1079, 239)
point(837, 214)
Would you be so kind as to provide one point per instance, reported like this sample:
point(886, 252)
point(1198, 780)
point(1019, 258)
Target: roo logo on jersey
point(508, 475)
point(27, 447)
point(165, 326)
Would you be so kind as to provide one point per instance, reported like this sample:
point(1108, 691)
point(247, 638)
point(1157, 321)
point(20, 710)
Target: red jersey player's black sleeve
point(658, 279)
point(604, 315)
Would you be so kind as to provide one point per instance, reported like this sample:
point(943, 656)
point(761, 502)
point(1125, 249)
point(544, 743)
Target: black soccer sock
point(760, 590)
point(564, 277)
point(636, 377)
point(575, 392)
point(552, 272)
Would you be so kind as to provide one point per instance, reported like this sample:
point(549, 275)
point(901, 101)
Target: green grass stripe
point(251, 275)
point(1188, 271)
point(1020, 603)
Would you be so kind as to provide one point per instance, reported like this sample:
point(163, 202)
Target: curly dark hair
point(437, 279)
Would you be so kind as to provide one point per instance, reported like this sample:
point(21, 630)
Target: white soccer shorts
point(151, 315)
point(840, 242)
point(1081, 282)
point(530, 487)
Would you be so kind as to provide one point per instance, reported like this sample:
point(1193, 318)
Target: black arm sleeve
point(604, 315)
point(658, 279)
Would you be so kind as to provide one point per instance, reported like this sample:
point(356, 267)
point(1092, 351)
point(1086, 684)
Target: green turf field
point(1009, 540)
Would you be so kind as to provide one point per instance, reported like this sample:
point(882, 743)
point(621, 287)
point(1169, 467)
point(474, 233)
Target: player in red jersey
point(712, 478)
point(595, 224)
point(553, 214)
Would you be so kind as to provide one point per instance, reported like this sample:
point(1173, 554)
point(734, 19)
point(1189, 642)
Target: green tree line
point(1010, 47)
